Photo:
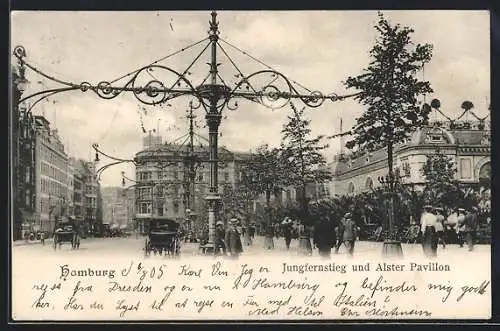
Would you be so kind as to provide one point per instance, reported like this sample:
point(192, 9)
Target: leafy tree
point(389, 88)
point(442, 187)
point(264, 174)
point(301, 156)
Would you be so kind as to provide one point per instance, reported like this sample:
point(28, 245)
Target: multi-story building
point(466, 143)
point(162, 189)
point(23, 159)
point(87, 202)
point(128, 200)
point(78, 200)
point(52, 176)
point(92, 199)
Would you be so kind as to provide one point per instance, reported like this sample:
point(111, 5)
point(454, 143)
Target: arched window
point(485, 174)
point(369, 183)
point(350, 188)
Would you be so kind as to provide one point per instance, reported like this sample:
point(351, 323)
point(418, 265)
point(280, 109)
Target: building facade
point(87, 200)
point(128, 199)
point(77, 191)
point(162, 188)
point(92, 204)
point(52, 176)
point(466, 143)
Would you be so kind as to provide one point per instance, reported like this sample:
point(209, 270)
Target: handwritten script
point(211, 288)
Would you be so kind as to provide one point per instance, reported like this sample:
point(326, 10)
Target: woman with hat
point(428, 226)
point(233, 239)
point(439, 212)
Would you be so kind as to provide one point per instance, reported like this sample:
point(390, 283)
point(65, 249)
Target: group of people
point(325, 238)
point(228, 241)
point(435, 225)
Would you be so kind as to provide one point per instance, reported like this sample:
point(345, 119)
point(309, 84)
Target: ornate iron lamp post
point(213, 94)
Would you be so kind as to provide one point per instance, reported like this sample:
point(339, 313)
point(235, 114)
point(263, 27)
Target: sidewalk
point(15, 243)
point(49, 241)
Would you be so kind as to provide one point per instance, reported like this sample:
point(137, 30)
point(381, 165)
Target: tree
point(441, 187)
point(301, 156)
point(389, 88)
point(264, 174)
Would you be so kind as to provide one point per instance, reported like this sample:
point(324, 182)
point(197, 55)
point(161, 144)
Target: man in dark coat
point(470, 228)
point(219, 238)
point(287, 232)
point(350, 233)
point(324, 237)
point(339, 234)
point(233, 239)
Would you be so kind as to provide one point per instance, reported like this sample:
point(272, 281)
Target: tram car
point(66, 232)
point(163, 238)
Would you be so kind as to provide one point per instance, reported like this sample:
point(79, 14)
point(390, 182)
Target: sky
point(317, 49)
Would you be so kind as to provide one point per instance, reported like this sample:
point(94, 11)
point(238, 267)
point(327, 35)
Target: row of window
point(147, 193)
point(147, 207)
point(465, 172)
point(53, 172)
point(177, 175)
point(52, 187)
point(52, 157)
point(89, 189)
point(52, 204)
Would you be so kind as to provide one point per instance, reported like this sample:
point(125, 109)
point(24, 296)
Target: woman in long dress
point(428, 227)
point(439, 212)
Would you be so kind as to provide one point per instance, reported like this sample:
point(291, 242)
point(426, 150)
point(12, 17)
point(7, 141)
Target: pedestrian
point(251, 231)
point(471, 225)
point(439, 212)
point(246, 236)
point(233, 239)
point(287, 232)
point(460, 226)
point(428, 228)
point(451, 225)
point(324, 237)
point(275, 231)
point(220, 244)
point(339, 234)
point(350, 233)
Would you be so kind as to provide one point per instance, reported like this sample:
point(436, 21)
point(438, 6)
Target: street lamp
point(269, 88)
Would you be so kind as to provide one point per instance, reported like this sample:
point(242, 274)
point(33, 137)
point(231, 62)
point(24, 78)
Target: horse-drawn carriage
point(66, 232)
point(163, 238)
